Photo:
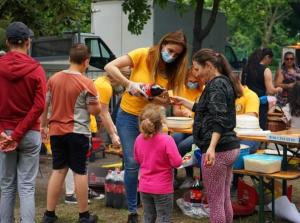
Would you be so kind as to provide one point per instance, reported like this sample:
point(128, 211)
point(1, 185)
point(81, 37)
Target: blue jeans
point(184, 143)
point(128, 129)
point(19, 170)
point(253, 145)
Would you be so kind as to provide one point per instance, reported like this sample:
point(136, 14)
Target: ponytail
point(150, 120)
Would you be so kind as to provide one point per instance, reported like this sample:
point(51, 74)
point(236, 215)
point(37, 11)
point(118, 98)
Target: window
point(97, 48)
point(49, 48)
point(100, 53)
point(94, 46)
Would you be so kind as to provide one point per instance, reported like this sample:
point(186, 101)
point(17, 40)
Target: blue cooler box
point(239, 163)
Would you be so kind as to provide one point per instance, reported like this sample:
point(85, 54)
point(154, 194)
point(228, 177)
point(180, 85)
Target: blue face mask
point(167, 57)
point(192, 85)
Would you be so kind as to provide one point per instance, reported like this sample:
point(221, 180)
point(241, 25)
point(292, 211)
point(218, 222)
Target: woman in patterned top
point(286, 77)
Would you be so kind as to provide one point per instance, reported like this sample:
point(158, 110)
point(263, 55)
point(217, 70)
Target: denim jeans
point(19, 170)
point(184, 143)
point(157, 207)
point(253, 145)
point(128, 129)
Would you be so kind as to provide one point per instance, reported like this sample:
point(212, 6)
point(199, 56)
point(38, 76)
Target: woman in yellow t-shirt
point(191, 90)
point(164, 64)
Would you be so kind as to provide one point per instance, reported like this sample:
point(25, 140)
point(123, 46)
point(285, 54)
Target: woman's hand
point(162, 99)
point(186, 112)
point(176, 100)
point(279, 89)
point(182, 101)
point(210, 157)
point(134, 88)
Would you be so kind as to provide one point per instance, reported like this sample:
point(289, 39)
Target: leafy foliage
point(257, 23)
point(47, 17)
point(139, 12)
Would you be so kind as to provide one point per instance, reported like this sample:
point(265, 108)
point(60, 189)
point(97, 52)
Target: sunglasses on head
point(289, 58)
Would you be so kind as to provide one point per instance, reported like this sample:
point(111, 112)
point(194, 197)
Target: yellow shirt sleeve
point(104, 89)
point(138, 54)
point(93, 124)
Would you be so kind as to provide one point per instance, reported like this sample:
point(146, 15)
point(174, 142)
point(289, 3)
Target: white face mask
point(167, 57)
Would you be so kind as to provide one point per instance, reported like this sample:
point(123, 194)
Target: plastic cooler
point(239, 163)
point(262, 163)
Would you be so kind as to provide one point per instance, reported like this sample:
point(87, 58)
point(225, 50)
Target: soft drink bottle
point(152, 90)
point(118, 191)
point(196, 194)
point(109, 189)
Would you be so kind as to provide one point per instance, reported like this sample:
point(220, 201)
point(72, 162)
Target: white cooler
point(262, 163)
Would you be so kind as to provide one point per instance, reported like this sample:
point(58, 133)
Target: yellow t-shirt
point(248, 103)
point(104, 89)
point(190, 94)
point(140, 73)
point(105, 92)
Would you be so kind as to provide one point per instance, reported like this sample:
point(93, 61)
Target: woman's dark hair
point(220, 63)
point(294, 99)
point(254, 59)
point(283, 66)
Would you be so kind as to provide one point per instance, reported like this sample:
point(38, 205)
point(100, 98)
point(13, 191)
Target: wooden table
point(284, 145)
point(186, 131)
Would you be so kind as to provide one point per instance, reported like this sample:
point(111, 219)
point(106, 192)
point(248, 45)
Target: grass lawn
point(68, 213)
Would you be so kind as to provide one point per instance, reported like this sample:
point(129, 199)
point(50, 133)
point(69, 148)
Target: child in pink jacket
point(157, 155)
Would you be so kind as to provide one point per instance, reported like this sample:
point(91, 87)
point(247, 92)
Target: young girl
point(213, 129)
point(157, 155)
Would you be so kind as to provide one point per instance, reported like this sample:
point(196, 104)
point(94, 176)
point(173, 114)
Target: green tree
point(47, 17)
point(257, 23)
point(139, 12)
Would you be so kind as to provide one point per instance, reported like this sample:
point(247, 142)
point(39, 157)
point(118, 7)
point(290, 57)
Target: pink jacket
point(157, 156)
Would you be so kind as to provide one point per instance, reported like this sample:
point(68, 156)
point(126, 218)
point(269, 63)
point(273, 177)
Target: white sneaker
point(94, 195)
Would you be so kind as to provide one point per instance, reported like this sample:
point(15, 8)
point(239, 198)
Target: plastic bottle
point(196, 193)
point(118, 198)
point(92, 178)
point(109, 184)
point(152, 89)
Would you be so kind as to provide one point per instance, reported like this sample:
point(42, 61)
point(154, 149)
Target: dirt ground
point(68, 213)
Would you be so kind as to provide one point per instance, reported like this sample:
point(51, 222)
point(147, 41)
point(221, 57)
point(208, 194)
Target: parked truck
point(108, 16)
point(53, 52)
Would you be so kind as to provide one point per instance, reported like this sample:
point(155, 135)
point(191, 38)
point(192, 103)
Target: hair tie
point(217, 54)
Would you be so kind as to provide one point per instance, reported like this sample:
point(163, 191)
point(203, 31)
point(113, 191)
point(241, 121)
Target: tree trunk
point(199, 33)
point(268, 26)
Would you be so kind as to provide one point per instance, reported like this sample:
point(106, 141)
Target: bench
point(281, 175)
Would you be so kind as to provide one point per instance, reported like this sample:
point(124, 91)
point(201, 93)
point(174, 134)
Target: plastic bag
point(194, 210)
point(192, 158)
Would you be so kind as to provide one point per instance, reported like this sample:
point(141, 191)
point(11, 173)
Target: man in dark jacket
point(22, 97)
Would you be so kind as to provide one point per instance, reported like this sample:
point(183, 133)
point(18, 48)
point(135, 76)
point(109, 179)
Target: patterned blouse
point(288, 78)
